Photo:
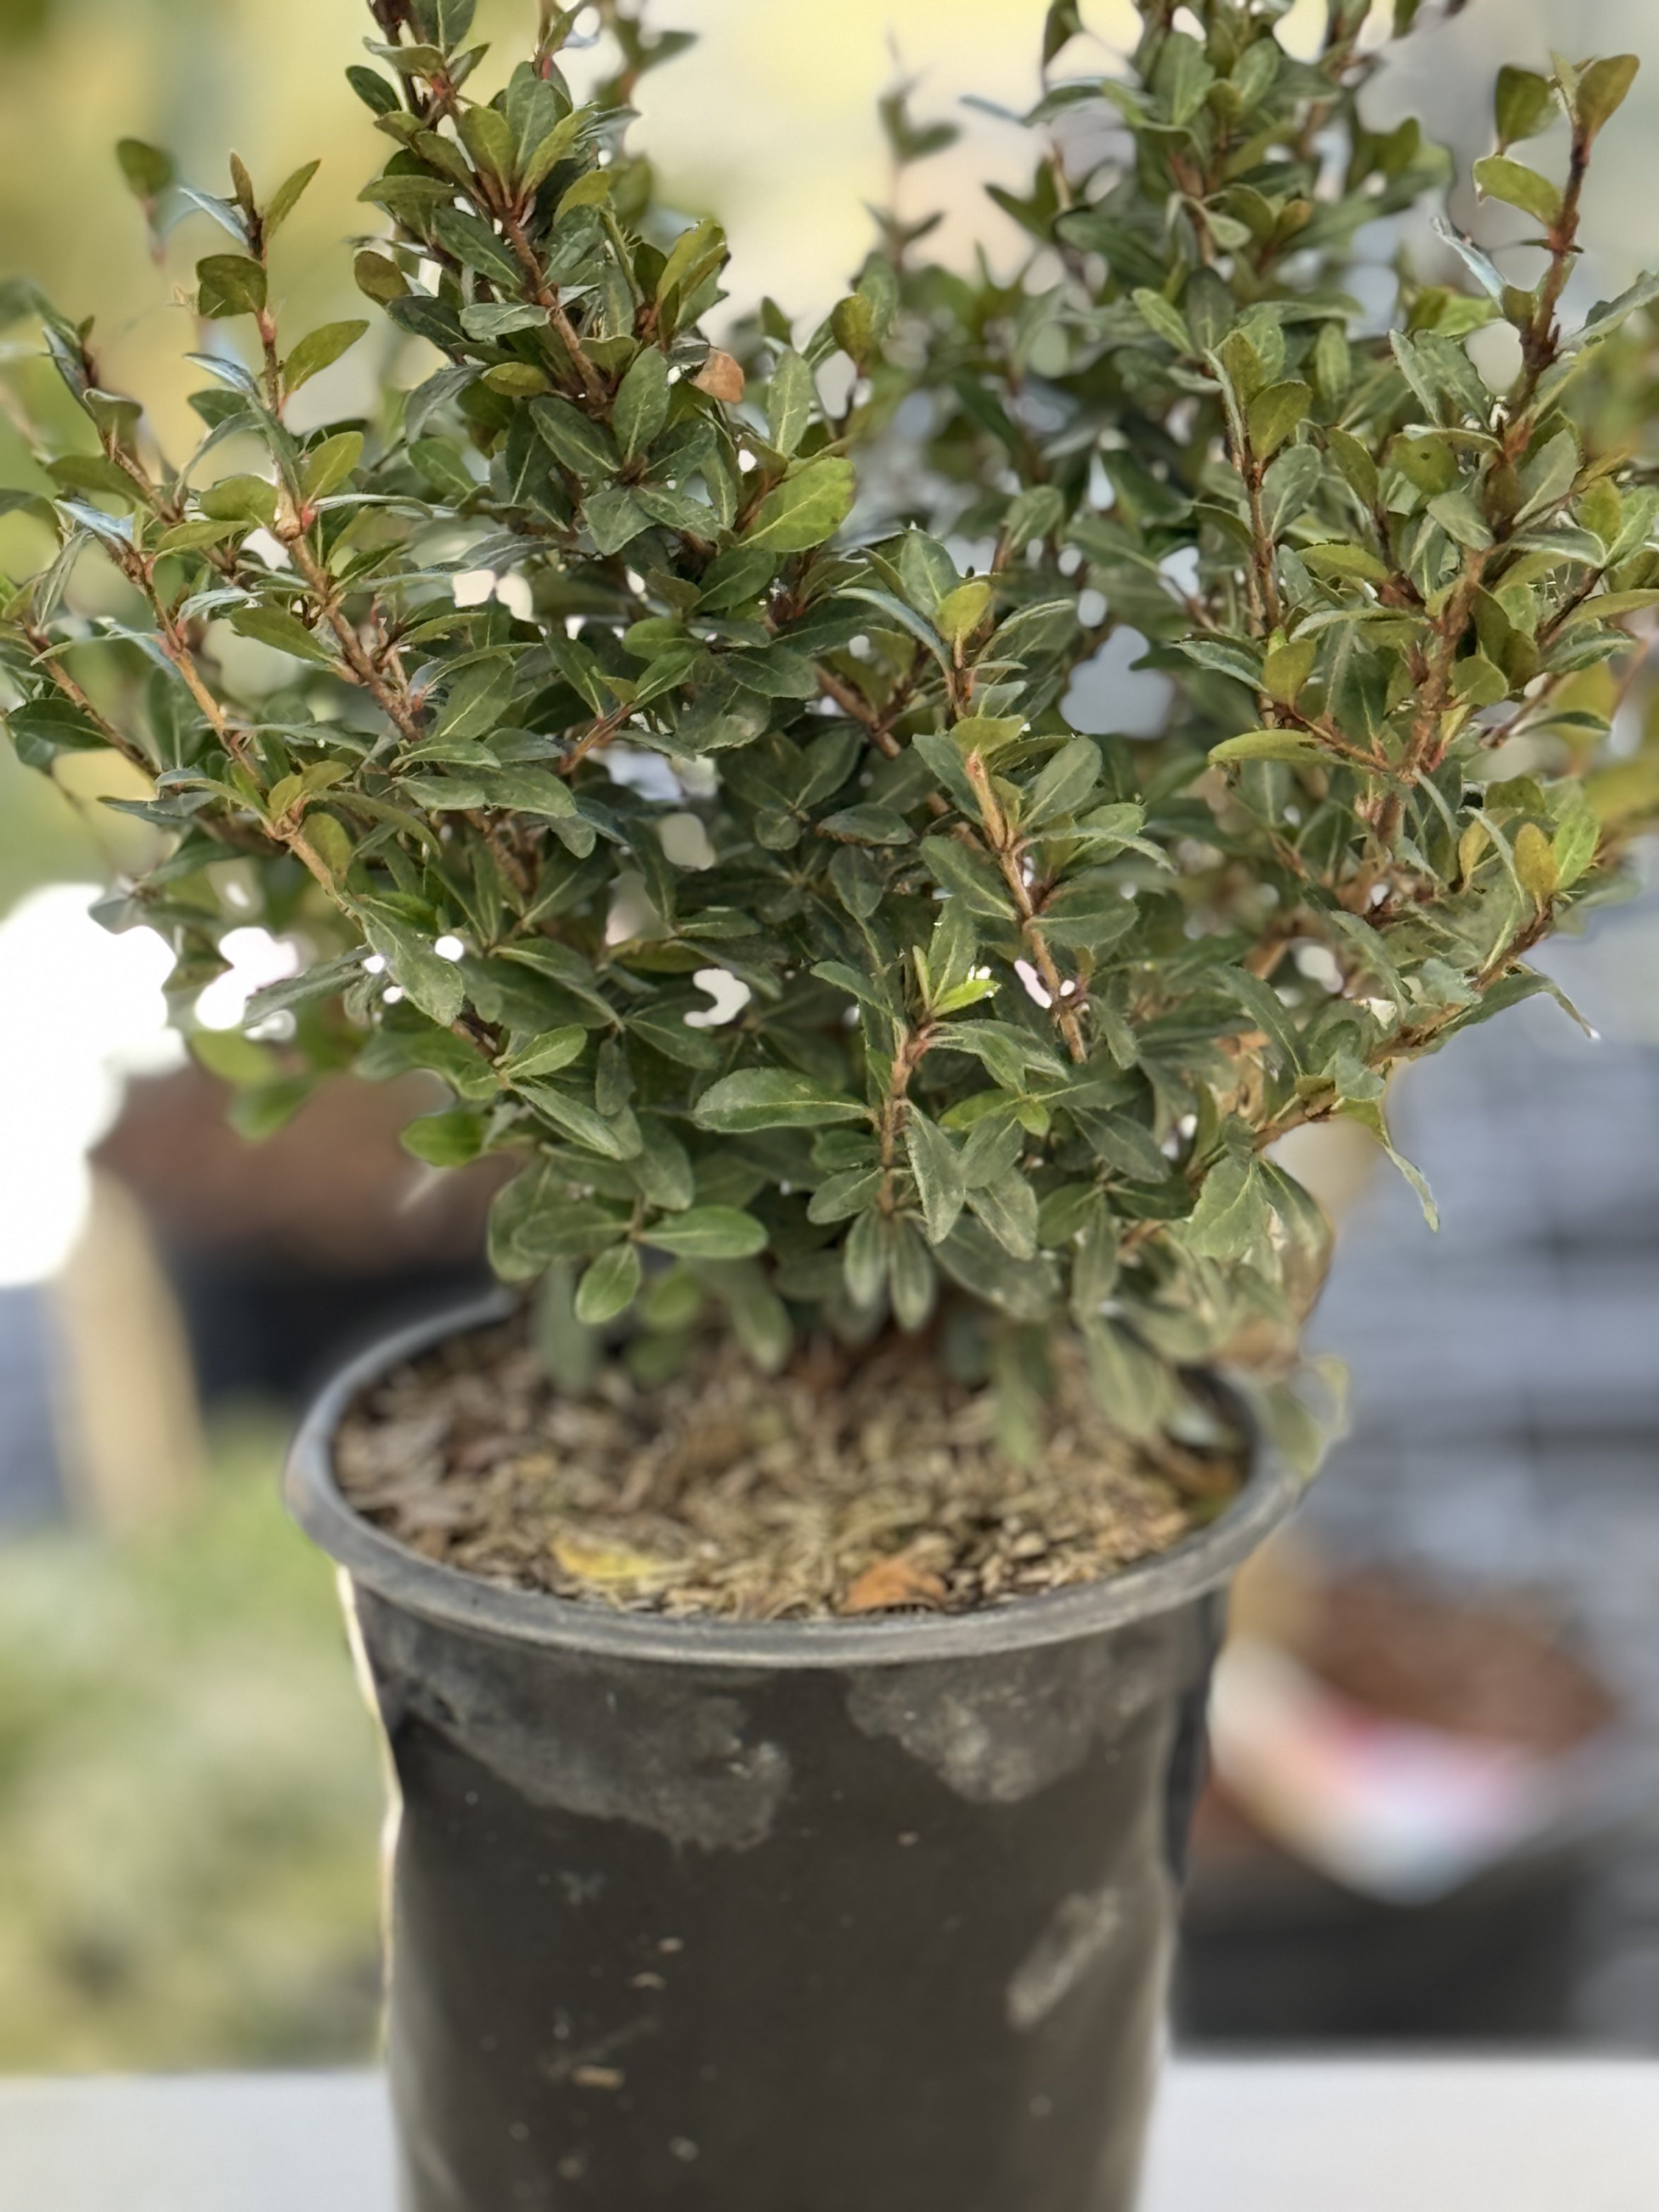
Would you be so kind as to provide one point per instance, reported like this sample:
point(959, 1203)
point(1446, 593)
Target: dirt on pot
point(846, 1485)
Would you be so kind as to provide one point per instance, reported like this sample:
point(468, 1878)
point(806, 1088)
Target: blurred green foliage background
point(189, 1790)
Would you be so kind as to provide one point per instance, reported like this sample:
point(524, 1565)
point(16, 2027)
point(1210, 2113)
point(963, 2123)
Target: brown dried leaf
point(720, 377)
point(895, 1581)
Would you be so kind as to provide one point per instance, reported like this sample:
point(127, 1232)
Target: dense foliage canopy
point(724, 844)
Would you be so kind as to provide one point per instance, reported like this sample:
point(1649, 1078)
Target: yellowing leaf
point(962, 612)
point(1270, 746)
point(1534, 863)
point(590, 1559)
point(1287, 668)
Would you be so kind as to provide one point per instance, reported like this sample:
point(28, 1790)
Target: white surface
point(1419, 2135)
point(246, 2142)
point(80, 1010)
point(1411, 2135)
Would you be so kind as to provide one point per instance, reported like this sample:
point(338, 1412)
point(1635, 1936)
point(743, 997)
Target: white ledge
point(1289, 2135)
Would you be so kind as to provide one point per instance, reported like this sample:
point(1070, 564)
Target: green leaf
point(191, 537)
point(41, 729)
point(1063, 23)
point(327, 466)
point(708, 1232)
point(487, 137)
point(968, 876)
point(1008, 1208)
point(845, 1195)
point(773, 1098)
point(586, 448)
point(1273, 415)
point(551, 149)
point(545, 1055)
point(260, 1114)
point(1369, 1114)
point(865, 1257)
point(1336, 558)
point(912, 1277)
point(703, 247)
point(1575, 843)
point(1131, 1384)
point(1231, 1216)
point(476, 246)
point(286, 197)
point(615, 518)
point(445, 1140)
point(1286, 668)
point(608, 1286)
point(373, 90)
point(804, 508)
point(287, 633)
point(853, 322)
point(961, 611)
point(474, 703)
point(1461, 520)
point(1602, 91)
point(1163, 319)
point(938, 1172)
point(641, 404)
point(241, 499)
point(1523, 104)
point(440, 461)
point(534, 1220)
point(611, 1136)
point(1270, 746)
point(1266, 1009)
point(868, 825)
point(148, 171)
point(229, 284)
point(1497, 177)
point(1065, 785)
point(431, 984)
point(1356, 465)
point(319, 349)
point(789, 402)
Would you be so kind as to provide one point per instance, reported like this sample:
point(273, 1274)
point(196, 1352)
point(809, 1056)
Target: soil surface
point(841, 1487)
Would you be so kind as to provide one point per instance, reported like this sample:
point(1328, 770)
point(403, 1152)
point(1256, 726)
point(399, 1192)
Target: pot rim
point(1199, 1564)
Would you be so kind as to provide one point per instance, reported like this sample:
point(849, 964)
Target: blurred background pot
point(1415, 1786)
point(833, 1917)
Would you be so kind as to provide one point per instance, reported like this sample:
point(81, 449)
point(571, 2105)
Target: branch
point(1006, 850)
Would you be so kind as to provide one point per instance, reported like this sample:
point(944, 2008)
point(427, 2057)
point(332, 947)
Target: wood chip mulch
point(838, 1488)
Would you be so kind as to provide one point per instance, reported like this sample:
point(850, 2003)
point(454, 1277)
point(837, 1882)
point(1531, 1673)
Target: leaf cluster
point(677, 750)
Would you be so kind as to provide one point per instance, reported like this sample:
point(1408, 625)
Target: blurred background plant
point(188, 1789)
point(189, 1794)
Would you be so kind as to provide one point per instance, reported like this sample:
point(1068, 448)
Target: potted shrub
point(792, 1627)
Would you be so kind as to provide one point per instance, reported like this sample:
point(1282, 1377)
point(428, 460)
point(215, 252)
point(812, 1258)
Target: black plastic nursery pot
point(827, 1917)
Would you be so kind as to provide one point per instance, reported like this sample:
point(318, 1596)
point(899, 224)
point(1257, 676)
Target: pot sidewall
point(839, 1916)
